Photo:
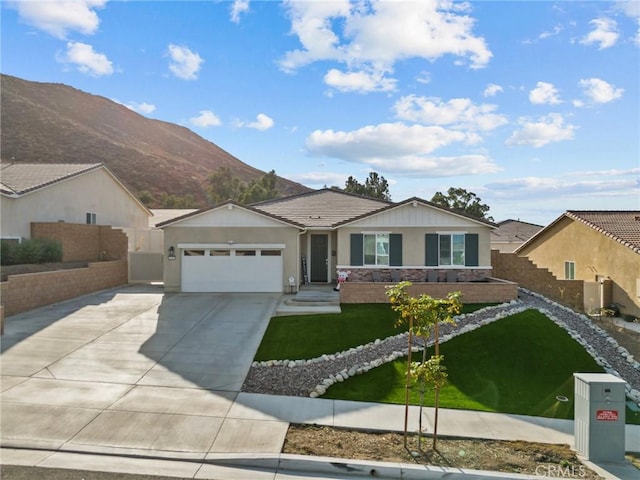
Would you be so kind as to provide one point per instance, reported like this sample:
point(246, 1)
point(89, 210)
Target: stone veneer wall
point(540, 280)
point(84, 243)
point(417, 275)
point(24, 292)
point(494, 291)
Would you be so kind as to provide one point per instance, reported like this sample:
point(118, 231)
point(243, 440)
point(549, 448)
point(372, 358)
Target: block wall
point(21, 293)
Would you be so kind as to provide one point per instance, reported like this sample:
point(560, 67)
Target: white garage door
point(232, 269)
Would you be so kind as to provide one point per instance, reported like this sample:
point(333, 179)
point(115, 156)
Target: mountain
point(55, 123)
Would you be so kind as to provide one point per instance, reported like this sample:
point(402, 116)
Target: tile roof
point(514, 231)
point(621, 225)
point(321, 208)
point(20, 178)
point(161, 215)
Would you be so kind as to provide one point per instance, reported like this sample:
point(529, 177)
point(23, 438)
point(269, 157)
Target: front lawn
point(515, 365)
point(308, 336)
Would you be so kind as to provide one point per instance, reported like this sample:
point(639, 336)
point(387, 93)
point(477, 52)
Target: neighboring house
point(593, 246)
point(276, 245)
point(70, 193)
point(510, 234)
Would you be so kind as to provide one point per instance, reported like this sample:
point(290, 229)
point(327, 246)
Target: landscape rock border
point(312, 377)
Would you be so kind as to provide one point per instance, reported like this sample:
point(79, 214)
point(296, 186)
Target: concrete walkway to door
point(135, 371)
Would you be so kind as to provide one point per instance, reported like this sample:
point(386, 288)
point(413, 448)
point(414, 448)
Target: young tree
point(423, 314)
point(461, 200)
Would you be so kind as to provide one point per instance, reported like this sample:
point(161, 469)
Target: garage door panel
point(231, 273)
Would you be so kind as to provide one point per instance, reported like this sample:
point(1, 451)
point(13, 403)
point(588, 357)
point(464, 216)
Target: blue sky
point(532, 105)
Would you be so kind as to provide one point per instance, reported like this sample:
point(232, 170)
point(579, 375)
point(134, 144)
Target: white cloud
point(547, 129)
point(572, 185)
point(424, 78)
point(86, 59)
point(556, 31)
point(600, 91)
point(140, 107)
point(492, 90)
point(396, 147)
point(544, 93)
point(59, 17)
point(361, 82)
point(457, 112)
point(605, 33)
point(263, 122)
point(206, 119)
point(184, 63)
point(350, 33)
point(238, 7)
point(631, 9)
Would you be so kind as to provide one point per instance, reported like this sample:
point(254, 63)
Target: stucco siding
point(413, 242)
point(593, 254)
point(70, 200)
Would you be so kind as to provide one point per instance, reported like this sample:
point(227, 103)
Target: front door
point(319, 258)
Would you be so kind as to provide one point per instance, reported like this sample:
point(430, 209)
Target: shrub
point(29, 251)
point(8, 252)
point(51, 250)
point(35, 250)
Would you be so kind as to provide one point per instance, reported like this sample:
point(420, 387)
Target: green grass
point(515, 365)
point(308, 336)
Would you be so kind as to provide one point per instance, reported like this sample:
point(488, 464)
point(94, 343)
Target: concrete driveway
point(132, 370)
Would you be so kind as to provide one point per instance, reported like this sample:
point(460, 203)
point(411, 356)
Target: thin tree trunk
point(408, 383)
point(436, 341)
point(422, 388)
point(435, 420)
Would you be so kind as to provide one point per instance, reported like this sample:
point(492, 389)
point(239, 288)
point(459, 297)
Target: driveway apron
point(135, 371)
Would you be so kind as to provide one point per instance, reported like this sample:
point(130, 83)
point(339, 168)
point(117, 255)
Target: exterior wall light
point(172, 253)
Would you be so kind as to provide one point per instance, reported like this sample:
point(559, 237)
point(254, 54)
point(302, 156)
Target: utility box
point(599, 416)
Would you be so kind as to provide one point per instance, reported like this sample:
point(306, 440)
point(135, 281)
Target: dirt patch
point(500, 456)
point(7, 270)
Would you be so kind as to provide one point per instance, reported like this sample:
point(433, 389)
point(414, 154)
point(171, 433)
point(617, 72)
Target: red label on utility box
point(607, 415)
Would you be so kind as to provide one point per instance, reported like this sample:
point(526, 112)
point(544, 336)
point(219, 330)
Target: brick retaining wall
point(24, 292)
point(540, 280)
point(495, 291)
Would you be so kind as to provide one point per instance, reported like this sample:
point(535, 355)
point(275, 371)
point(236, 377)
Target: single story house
point(277, 245)
point(69, 193)
point(510, 234)
point(593, 246)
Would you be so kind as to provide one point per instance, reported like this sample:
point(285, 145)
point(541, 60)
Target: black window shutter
point(471, 254)
point(357, 249)
point(431, 250)
point(395, 249)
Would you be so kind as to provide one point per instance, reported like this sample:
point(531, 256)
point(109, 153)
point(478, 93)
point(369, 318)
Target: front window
point(452, 249)
point(376, 248)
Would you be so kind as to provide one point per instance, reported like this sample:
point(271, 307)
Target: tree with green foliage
point(224, 186)
point(458, 199)
point(260, 190)
point(423, 315)
point(375, 186)
point(176, 201)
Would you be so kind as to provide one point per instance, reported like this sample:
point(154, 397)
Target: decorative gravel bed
point(313, 376)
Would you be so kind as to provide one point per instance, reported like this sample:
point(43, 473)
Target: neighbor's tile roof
point(161, 215)
point(621, 225)
point(514, 231)
point(20, 178)
point(322, 208)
